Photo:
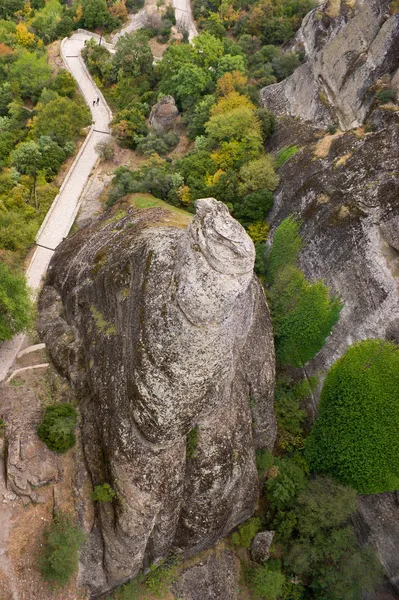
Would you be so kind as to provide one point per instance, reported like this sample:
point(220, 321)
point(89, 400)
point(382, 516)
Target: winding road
point(64, 209)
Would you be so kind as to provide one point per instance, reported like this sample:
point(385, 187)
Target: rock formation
point(165, 335)
point(349, 45)
point(164, 114)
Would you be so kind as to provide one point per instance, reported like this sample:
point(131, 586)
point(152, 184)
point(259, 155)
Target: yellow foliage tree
point(231, 82)
point(78, 13)
point(230, 102)
point(24, 37)
point(258, 231)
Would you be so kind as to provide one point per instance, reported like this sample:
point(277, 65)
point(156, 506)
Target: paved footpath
point(64, 209)
point(62, 213)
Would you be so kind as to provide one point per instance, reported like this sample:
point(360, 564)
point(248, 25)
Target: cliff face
point(349, 46)
point(345, 188)
point(161, 330)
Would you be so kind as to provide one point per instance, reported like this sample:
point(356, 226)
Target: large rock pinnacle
point(161, 330)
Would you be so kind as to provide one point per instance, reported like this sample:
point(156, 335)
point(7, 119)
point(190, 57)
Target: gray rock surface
point(260, 547)
point(349, 47)
point(216, 577)
point(160, 329)
point(164, 114)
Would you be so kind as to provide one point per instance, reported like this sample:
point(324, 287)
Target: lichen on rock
point(185, 341)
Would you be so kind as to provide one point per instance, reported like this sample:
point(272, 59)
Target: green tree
point(64, 84)
point(133, 56)
point(267, 581)
point(95, 13)
point(31, 72)
point(288, 482)
point(258, 174)
point(56, 429)
point(323, 550)
point(15, 305)
point(25, 158)
point(355, 437)
point(287, 244)
point(59, 560)
point(9, 7)
point(62, 120)
point(187, 84)
point(303, 316)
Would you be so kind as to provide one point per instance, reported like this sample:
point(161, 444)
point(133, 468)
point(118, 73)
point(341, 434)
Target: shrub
point(258, 231)
point(303, 316)
point(385, 96)
point(105, 149)
point(246, 533)
point(355, 436)
point(16, 310)
point(59, 560)
point(287, 244)
point(267, 122)
point(257, 175)
point(284, 154)
point(103, 493)
point(2, 427)
point(56, 429)
point(161, 577)
point(192, 441)
point(289, 481)
point(289, 414)
point(267, 581)
point(323, 550)
point(264, 460)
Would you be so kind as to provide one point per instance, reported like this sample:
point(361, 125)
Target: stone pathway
point(62, 213)
point(184, 17)
point(64, 209)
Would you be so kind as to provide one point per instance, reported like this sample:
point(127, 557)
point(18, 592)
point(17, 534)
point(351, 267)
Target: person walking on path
point(94, 102)
point(98, 100)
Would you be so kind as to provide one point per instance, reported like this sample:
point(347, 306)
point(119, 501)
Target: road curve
point(62, 213)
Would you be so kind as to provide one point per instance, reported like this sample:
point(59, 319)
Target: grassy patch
point(177, 216)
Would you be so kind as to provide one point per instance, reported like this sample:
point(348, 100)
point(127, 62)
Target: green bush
point(264, 460)
point(267, 581)
point(385, 96)
point(303, 316)
point(284, 154)
point(192, 441)
point(16, 310)
point(323, 550)
point(56, 429)
point(59, 560)
point(355, 436)
point(103, 493)
point(289, 414)
point(246, 533)
point(287, 244)
point(289, 481)
point(161, 577)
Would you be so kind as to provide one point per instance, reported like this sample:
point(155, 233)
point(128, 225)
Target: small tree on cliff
point(355, 437)
point(303, 312)
point(16, 310)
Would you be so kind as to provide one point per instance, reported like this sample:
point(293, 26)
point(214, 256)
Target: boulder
point(260, 548)
point(349, 47)
point(165, 334)
point(164, 114)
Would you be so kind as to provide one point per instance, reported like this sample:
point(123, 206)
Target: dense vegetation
point(56, 429)
point(355, 435)
point(15, 306)
point(59, 557)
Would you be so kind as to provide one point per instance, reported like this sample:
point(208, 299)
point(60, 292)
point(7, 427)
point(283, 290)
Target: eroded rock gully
point(160, 329)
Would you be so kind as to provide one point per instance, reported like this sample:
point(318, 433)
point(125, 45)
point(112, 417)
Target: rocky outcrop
point(165, 335)
point(350, 45)
point(164, 114)
point(260, 547)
